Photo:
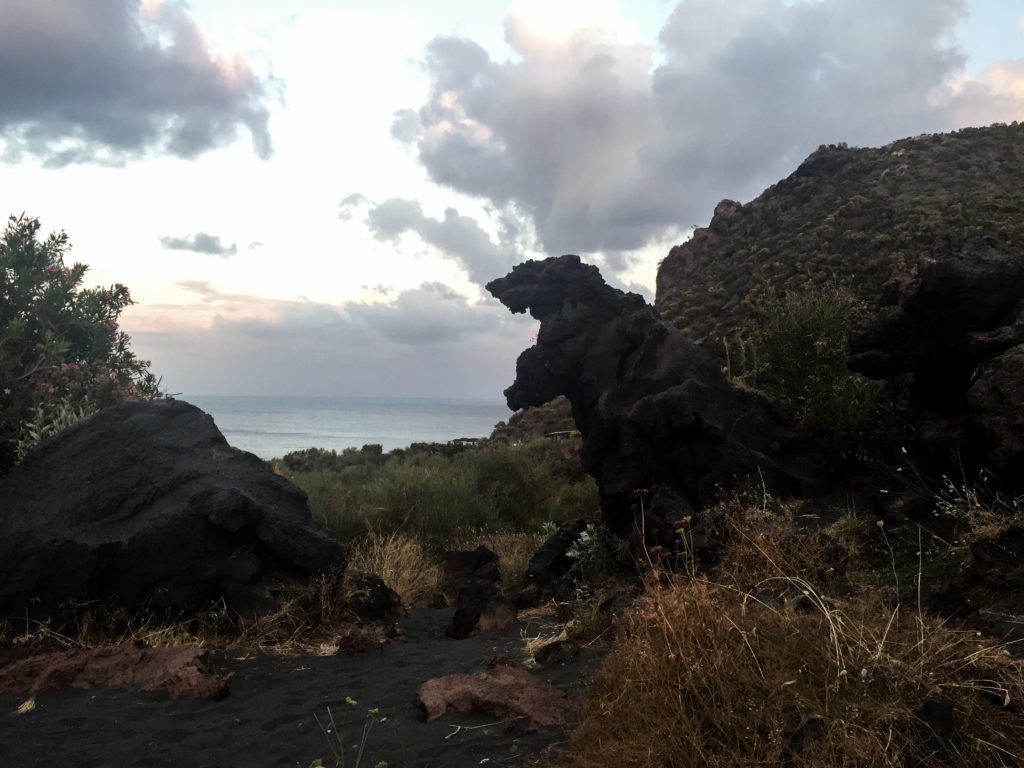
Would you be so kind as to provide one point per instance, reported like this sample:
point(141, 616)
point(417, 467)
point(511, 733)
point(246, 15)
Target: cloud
point(105, 82)
point(456, 236)
point(606, 151)
point(430, 314)
point(430, 341)
point(200, 243)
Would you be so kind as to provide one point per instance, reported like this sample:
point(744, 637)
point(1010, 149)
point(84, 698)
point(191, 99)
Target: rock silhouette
point(952, 330)
point(655, 410)
point(146, 504)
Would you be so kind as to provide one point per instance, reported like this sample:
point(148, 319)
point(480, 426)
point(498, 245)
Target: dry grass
point(703, 675)
point(763, 545)
point(403, 562)
point(302, 618)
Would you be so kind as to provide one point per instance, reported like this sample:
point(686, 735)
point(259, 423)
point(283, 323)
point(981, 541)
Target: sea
point(270, 427)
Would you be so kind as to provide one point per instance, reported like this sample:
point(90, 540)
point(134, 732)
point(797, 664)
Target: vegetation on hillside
point(531, 423)
point(847, 216)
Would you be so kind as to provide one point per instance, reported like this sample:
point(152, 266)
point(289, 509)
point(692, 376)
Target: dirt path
point(270, 717)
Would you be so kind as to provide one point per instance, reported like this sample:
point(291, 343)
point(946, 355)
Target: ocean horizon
point(271, 426)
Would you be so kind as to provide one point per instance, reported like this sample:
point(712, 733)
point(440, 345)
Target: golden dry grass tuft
point(703, 675)
point(763, 544)
point(403, 562)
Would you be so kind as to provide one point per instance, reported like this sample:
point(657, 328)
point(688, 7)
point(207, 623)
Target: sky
point(307, 198)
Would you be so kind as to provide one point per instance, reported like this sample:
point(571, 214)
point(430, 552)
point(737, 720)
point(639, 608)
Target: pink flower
point(64, 366)
point(7, 390)
point(51, 390)
point(113, 375)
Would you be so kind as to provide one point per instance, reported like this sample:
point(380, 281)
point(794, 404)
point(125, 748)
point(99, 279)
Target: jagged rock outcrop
point(654, 408)
point(952, 330)
point(145, 504)
point(459, 568)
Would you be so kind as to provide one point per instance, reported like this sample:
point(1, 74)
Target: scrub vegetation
point(849, 216)
point(411, 505)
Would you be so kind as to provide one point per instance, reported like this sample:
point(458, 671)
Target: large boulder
point(145, 504)
point(952, 331)
point(654, 408)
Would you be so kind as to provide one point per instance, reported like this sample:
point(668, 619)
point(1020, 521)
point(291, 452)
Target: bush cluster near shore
point(435, 497)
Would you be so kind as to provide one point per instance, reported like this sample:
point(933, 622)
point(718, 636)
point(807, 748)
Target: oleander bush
point(62, 356)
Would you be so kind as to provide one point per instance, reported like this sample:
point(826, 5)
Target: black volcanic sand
point(269, 718)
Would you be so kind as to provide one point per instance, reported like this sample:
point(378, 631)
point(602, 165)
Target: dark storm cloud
point(606, 152)
point(200, 243)
point(456, 236)
point(106, 81)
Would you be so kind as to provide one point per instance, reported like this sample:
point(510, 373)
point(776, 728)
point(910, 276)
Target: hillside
point(852, 216)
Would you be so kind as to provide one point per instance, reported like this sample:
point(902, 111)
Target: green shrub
point(490, 488)
point(426, 496)
point(62, 356)
point(801, 351)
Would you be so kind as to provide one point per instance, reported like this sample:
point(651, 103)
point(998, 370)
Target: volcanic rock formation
point(953, 331)
point(145, 504)
point(654, 408)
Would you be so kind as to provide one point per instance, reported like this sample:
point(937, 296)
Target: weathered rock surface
point(373, 600)
point(182, 672)
point(475, 577)
point(654, 408)
point(953, 331)
point(458, 568)
point(997, 560)
point(550, 563)
point(508, 692)
point(145, 503)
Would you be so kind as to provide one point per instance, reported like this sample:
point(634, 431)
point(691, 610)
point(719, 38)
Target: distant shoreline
point(271, 426)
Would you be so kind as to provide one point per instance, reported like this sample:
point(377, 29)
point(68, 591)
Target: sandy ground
point(276, 713)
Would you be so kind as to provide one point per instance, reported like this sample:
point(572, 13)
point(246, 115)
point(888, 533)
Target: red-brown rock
point(508, 692)
point(182, 672)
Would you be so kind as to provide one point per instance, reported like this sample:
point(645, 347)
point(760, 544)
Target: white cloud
point(429, 340)
point(607, 152)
